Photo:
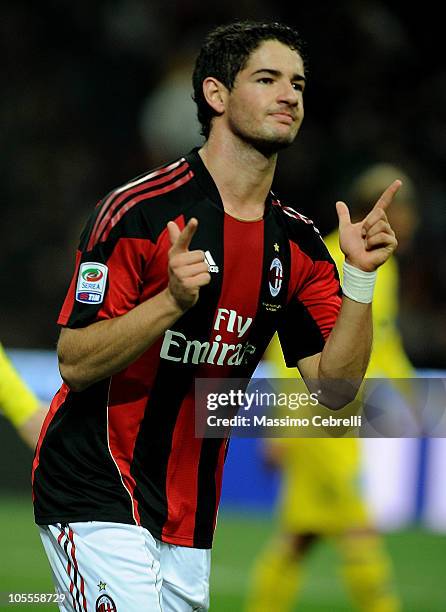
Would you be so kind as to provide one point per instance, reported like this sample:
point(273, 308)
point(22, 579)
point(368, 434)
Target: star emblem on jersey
point(276, 247)
point(275, 276)
point(102, 585)
point(212, 266)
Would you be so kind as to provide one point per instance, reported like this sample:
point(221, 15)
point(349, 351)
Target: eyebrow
point(277, 73)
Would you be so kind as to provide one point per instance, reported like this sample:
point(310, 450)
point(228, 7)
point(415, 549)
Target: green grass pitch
point(419, 558)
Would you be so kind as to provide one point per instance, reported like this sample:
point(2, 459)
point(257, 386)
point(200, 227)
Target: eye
point(298, 86)
point(266, 80)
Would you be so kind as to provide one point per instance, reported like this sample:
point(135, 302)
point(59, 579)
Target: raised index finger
point(181, 240)
point(386, 198)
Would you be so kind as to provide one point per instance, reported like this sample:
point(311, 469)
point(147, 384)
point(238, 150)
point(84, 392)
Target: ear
point(215, 93)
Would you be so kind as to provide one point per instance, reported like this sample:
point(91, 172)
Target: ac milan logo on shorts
point(275, 276)
point(104, 603)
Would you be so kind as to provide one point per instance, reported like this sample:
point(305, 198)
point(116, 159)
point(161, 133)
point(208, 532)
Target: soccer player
point(186, 272)
point(19, 404)
point(321, 495)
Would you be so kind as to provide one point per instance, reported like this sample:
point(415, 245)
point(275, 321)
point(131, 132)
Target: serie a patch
point(91, 282)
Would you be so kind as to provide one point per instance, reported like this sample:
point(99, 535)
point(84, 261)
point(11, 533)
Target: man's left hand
point(370, 242)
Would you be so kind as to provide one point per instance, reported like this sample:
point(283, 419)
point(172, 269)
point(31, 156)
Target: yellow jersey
point(17, 401)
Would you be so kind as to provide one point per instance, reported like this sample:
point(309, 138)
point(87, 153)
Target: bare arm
point(339, 369)
point(89, 354)
point(30, 430)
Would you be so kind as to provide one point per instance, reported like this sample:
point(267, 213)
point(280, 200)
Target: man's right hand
point(188, 270)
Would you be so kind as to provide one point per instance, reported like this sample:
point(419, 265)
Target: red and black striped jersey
point(124, 449)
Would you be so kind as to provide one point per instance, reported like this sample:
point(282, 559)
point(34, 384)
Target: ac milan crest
point(275, 276)
point(105, 603)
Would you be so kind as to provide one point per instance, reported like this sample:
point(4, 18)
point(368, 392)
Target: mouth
point(283, 117)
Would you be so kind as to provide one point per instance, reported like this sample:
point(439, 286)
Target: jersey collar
point(207, 184)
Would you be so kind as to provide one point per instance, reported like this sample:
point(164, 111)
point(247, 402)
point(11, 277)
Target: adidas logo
point(212, 266)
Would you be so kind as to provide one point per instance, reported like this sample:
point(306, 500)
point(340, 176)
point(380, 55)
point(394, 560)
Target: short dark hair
point(225, 52)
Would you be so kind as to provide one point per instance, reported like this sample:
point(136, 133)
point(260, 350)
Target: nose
point(288, 94)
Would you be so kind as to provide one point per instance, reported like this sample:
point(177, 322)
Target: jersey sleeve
point(314, 301)
point(108, 272)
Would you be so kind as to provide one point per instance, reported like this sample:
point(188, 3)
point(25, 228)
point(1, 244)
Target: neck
point(243, 175)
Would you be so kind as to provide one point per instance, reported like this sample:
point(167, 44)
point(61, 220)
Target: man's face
point(265, 106)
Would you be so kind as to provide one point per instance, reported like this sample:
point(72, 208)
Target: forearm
point(30, 430)
point(336, 373)
point(346, 353)
point(89, 354)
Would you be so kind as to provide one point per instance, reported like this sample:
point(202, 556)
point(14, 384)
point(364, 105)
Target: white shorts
point(112, 567)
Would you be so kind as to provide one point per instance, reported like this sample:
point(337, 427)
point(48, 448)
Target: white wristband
point(358, 285)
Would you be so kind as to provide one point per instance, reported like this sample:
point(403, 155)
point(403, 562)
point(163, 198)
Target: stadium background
point(83, 88)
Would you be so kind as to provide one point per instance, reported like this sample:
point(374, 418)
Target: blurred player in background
point(19, 404)
point(321, 495)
